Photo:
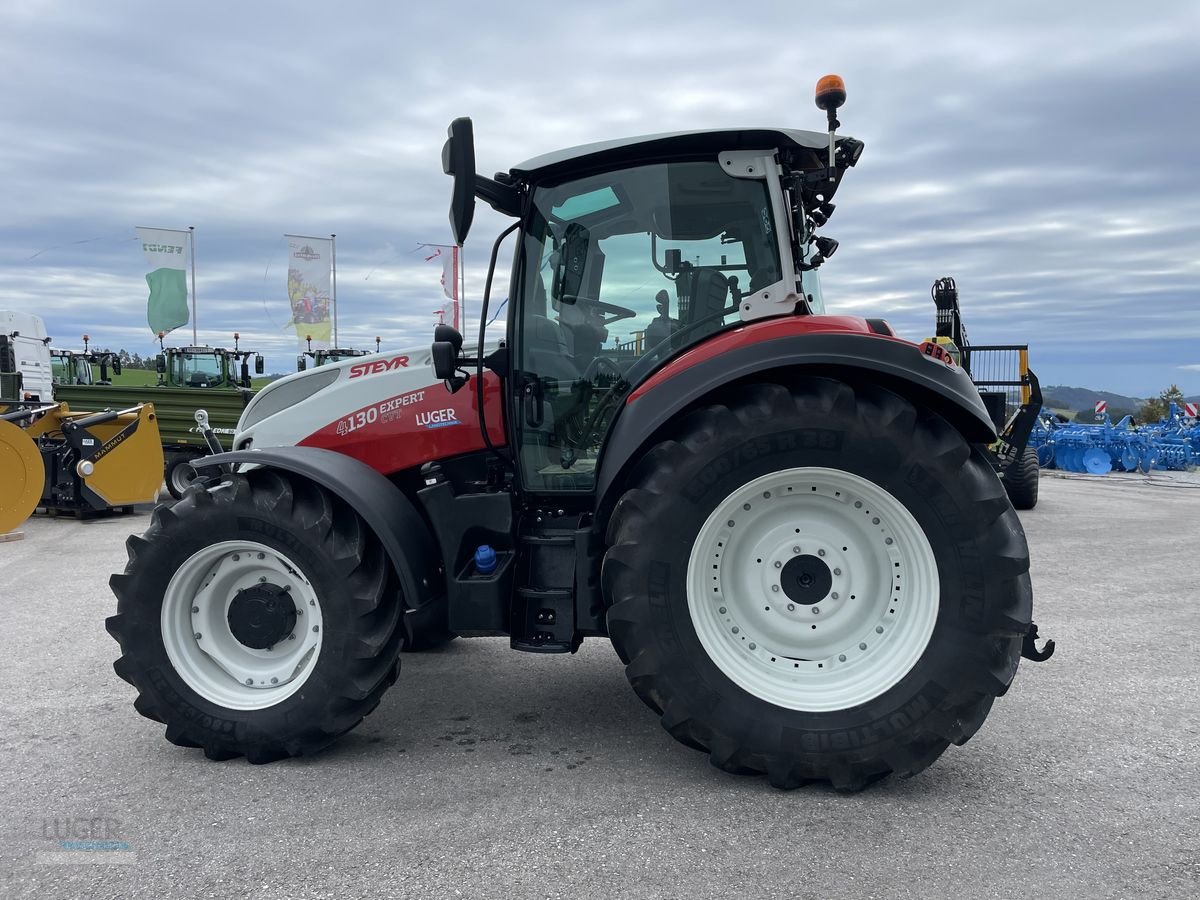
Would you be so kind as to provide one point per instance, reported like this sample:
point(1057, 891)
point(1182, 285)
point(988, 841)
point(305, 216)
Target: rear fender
point(880, 359)
point(382, 505)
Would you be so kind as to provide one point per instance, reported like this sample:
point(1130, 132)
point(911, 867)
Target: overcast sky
point(1045, 154)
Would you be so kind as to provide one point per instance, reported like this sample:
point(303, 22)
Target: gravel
point(491, 773)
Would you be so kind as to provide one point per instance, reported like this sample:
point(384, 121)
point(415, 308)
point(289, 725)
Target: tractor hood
point(290, 409)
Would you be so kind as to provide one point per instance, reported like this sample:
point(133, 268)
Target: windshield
point(197, 370)
point(68, 369)
point(621, 270)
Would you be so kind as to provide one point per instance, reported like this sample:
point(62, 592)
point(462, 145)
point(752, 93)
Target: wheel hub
point(806, 580)
point(813, 588)
point(242, 624)
point(261, 616)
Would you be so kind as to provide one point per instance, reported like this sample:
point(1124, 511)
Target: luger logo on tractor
point(379, 365)
point(437, 418)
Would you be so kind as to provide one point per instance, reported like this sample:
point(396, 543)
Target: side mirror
point(458, 159)
point(260, 365)
point(116, 365)
point(445, 359)
point(245, 373)
point(301, 363)
point(160, 364)
point(674, 260)
point(448, 334)
point(572, 259)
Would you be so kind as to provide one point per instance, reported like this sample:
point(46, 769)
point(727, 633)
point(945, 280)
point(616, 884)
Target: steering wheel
point(617, 312)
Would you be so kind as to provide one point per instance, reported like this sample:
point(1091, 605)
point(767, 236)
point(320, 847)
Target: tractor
point(323, 356)
point(787, 522)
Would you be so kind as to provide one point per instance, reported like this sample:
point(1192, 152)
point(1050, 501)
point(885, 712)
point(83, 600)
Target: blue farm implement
point(1096, 449)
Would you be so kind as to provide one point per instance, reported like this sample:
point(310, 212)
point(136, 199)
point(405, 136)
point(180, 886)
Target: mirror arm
point(504, 198)
point(487, 296)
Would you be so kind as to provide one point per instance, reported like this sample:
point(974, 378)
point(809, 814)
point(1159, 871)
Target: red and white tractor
point(787, 522)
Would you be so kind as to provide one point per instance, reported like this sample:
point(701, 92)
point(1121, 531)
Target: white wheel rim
point(202, 647)
point(867, 630)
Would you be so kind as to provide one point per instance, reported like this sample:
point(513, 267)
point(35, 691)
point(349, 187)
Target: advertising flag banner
point(309, 267)
point(450, 276)
point(166, 254)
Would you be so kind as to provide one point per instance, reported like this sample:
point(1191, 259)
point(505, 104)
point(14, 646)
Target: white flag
point(166, 262)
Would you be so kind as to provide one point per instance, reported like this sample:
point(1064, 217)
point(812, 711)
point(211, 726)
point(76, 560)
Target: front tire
point(257, 618)
point(752, 576)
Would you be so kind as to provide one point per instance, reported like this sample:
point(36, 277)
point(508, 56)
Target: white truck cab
point(25, 369)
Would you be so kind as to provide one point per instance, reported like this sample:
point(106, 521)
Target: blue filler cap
point(485, 559)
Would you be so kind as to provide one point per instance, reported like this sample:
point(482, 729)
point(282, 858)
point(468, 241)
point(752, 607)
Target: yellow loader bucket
point(21, 476)
point(117, 457)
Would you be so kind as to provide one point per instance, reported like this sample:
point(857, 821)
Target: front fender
point(687, 379)
point(382, 505)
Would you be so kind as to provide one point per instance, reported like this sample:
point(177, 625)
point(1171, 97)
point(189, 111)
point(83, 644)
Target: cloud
point(1040, 154)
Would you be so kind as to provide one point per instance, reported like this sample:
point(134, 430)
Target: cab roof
point(669, 145)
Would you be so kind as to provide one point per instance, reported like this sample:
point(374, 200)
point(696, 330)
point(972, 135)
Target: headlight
point(277, 397)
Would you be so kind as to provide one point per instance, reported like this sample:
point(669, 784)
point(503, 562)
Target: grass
point(138, 377)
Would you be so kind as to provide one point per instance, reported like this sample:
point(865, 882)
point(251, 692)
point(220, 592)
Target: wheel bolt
point(879, 629)
point(834, 595)
point(862, 646)
point(291, 637)
point(778, 565)
point(721, 610)
point(249, 681)
point(236, 557)
point(198, 635)
point(775, 588)
point(195, 609)
point(841, 657)
point(299, 612)
point(262, 556)
point(736, 629)
point(888, 541)
point(820, 553)
point(316, 628)
point(752, 646)
point(791, 607)
point(837, 571)
point(795, 549)
point(262, 578)
point(816, 610)
point(274, 681)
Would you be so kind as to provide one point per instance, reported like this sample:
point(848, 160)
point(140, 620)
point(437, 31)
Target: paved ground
point(491, 773)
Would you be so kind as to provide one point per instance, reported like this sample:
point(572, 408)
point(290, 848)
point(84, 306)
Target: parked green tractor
point(325, 356)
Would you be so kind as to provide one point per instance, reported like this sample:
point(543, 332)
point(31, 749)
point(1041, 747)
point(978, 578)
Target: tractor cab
point(70, 367)
point(75, 368)
point(206, 367)
point(628, 254)
point(325, 356)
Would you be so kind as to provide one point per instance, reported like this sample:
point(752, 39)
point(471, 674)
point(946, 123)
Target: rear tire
point(332, 619)
point(1021, 480)
point(753, 686)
